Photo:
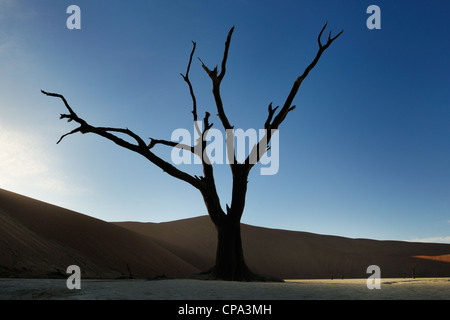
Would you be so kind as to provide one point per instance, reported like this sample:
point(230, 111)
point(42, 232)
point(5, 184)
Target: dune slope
point(38, 239)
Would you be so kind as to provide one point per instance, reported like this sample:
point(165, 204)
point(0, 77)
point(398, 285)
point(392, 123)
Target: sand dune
point(298, 255)
point(41, 240)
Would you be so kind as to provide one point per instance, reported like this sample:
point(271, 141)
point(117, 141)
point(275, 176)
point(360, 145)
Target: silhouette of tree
point(230, 262)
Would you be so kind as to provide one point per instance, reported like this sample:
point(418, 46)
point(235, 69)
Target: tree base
point(247, 276)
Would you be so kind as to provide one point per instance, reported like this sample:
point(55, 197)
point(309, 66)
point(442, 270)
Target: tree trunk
point(230, 261)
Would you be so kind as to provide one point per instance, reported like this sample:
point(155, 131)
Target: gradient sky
point(366, 154)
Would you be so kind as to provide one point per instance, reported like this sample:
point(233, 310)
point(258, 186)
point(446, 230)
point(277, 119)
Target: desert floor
point(189, 289)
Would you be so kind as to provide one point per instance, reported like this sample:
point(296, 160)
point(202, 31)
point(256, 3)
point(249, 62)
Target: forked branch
point(273, 123)
point(287, 104)
point(217, 80)
point(197, 151)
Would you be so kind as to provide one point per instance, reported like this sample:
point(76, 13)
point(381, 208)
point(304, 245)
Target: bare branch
point(207, 167)
point(154, 142)
point(71, 132)
point(194, 45)
point(209, 192)
point(72, 115)
point(225, 54)
point(125, 131)
point(270, 116)
point(140, 147)
point(217, 79)
point(211, 73)
point(191, 89)
point(206, 122)
point(320, 34)
point(206, 163)
point(287, 105)
point(273, 125)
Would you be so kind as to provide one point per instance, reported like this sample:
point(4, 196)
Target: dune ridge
point(40, 240)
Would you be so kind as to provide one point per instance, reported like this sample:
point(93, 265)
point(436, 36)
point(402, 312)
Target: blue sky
point(366, 154)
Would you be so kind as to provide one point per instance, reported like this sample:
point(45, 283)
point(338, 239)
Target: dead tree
point(230, 262)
